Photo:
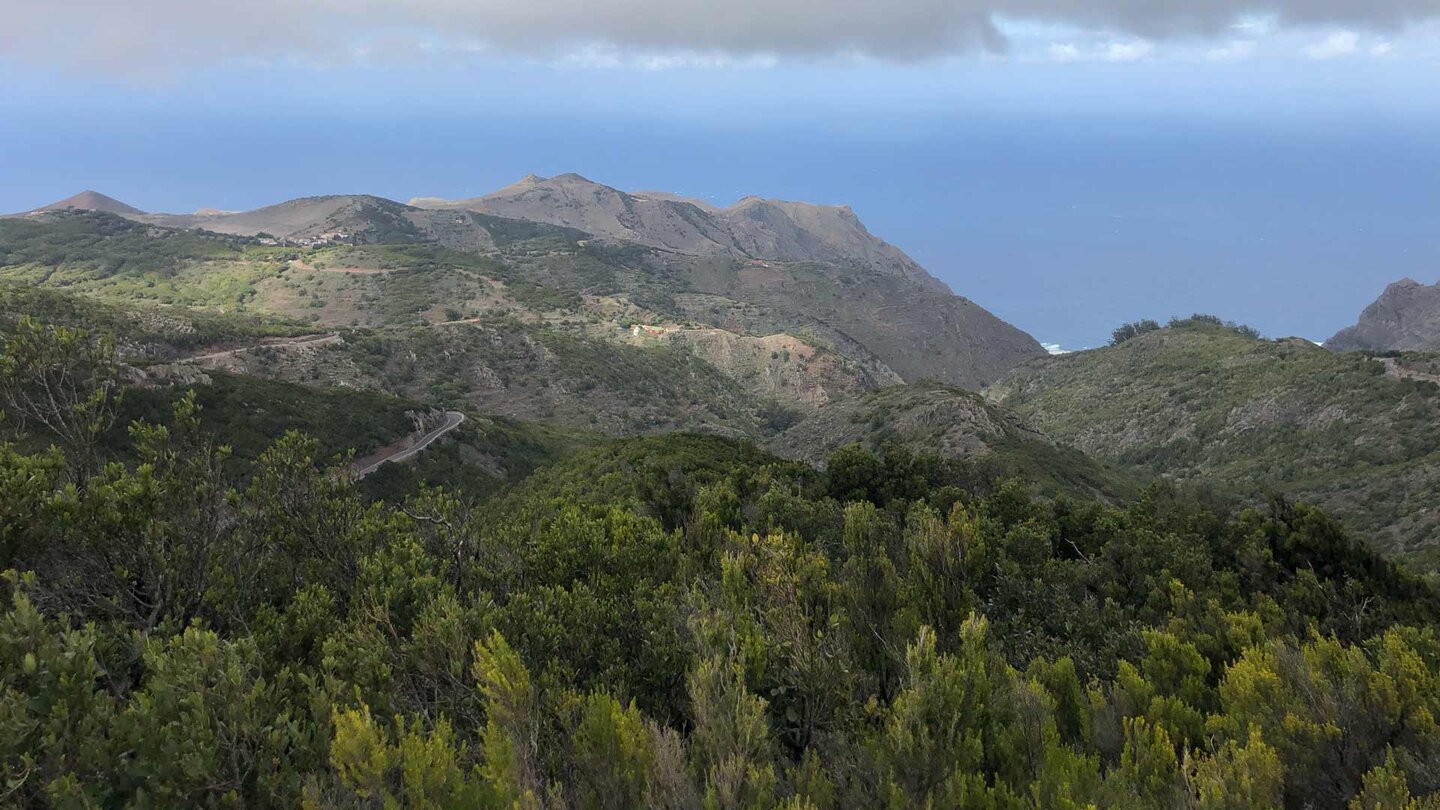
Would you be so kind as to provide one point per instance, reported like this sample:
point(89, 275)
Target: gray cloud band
point(161, 33)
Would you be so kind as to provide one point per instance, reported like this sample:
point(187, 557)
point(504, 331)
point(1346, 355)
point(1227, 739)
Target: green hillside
point(1249, 416)
point(146, 333)
point(933, 419)
point(249, 412)
point(532, 330)
point(566, 291)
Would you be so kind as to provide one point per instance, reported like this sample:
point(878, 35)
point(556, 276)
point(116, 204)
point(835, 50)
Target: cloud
point(1340, 43)
point(143, 35)
point(1054, 348)
point(1232, 51)
point(1114, 52)
point(610, 57)
point(1127, 51)
point(1064, 53)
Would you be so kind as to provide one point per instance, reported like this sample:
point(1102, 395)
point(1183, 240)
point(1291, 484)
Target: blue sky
point(1097, 165)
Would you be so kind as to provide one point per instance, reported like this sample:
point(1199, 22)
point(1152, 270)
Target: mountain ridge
point(824, 274)
point(753, 227)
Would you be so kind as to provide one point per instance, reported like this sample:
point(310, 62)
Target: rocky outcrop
point(1406, 317)
point(787, 369)
point(182, 375)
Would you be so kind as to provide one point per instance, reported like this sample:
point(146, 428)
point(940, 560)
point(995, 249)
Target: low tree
point(1132, 330)
point(931, 747)
point(1237, 777)
point(64, 381)
point(611, 754)
point(510, 739)
point(730, 745)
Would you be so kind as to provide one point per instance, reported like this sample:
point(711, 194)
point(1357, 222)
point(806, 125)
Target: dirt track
point(284, 343)
point(1399, 372)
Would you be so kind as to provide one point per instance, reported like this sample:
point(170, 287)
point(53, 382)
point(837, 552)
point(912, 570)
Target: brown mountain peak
point(92, 201)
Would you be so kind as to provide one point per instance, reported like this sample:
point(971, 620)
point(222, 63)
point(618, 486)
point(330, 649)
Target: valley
point(718, 464)
point(746, 467)
point(662, 317)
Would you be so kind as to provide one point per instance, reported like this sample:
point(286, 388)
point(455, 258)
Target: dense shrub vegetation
point(146, 334)
point(1145, 326)
point(107, 245)
point(679, 621)
point(1202, 320)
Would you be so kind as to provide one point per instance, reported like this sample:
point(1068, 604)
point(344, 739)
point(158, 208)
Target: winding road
point(453, 419)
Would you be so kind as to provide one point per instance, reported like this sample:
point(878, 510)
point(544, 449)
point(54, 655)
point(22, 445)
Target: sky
point(1068, 164)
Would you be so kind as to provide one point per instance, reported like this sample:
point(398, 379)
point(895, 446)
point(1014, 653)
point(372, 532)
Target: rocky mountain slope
point(1204, 403)
point(815, 265)
point(915, 333)
point(1406, 317)
point(450, 327)
point(753, 228)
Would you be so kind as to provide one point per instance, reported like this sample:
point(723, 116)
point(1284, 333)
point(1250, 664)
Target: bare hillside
point(752, 228)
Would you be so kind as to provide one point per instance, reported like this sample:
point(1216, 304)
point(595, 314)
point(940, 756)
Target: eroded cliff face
point(1406, 317)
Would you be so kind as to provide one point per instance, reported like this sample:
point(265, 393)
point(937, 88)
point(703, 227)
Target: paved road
point(453, 419)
